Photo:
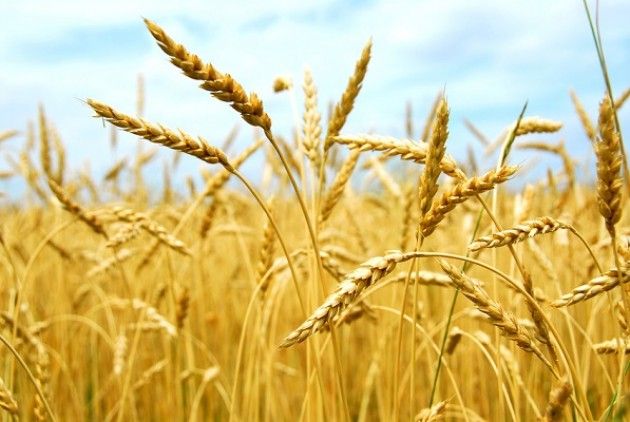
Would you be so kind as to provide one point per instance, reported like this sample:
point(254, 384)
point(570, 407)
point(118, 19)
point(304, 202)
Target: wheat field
point(450, 291)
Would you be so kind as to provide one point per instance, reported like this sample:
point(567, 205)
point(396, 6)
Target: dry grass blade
point(519, 233)
point(483, 139)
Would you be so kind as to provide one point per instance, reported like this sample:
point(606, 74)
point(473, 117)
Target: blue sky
point(490, 56)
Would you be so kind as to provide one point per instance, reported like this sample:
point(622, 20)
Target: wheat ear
point(348, 290)
point(343, 108)
point(265, 259)
point(609, 159)
point(529, 125)
point(312, 126)
point(181, 141)
point(152, 227)
point(7, 134)
point(506, 322)
point(428, 124)
point(432, 413)
point(7, 401)
point(587, 124)
point(519, 233)
point(558, 398)
point(623, 97)
point(338, 185)
point(460, 193)
point(603, 283)
point(404, 148)
point(221, 85)
point(88, 218)
point(613, 346)
point(435, 153)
